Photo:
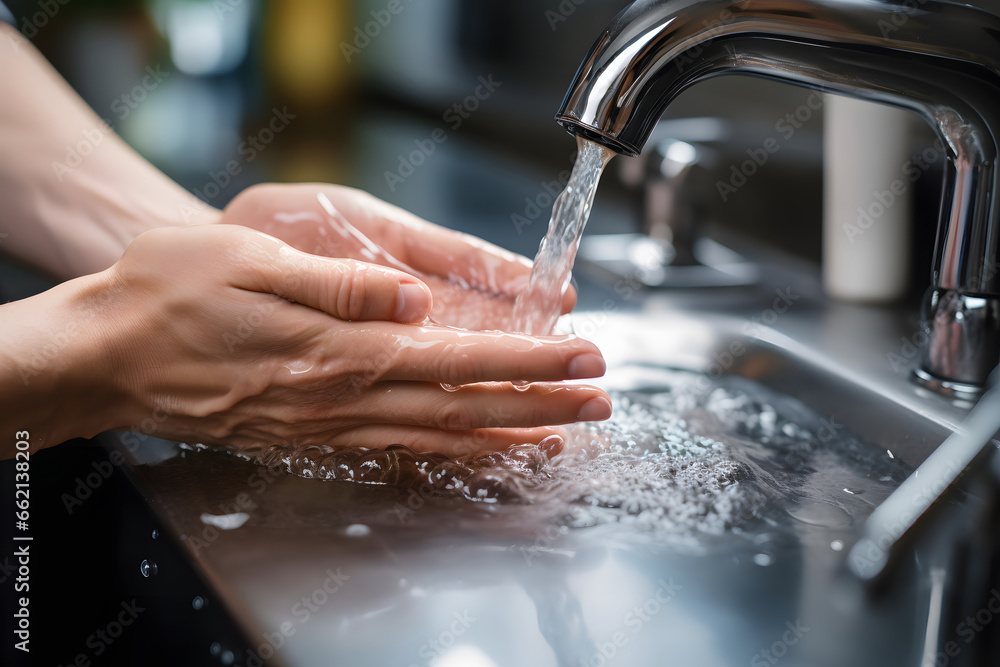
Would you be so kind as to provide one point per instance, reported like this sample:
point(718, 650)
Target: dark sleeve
point(5, 15)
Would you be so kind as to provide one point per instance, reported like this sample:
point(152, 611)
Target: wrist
point(182, 209)
point(56, 373)
point(187, 211)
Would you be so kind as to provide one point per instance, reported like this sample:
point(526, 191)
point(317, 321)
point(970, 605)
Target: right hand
point(228, 336)
point(474, 282)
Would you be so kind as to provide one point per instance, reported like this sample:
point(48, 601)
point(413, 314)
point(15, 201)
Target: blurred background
point(222, 94)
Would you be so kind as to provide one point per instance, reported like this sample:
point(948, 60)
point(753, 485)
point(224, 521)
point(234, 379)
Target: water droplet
point(147, 568)
point(450, 387)
point(227, 658)
point(552, 445)
point(215, 648)
point(837, 545)
point(889, 452)
point(155, 534)
point(521, 386)
point(298, 367)
point(198, 602)
point(817, 513)
point(225, 521)
point(357, 530)
point(763, 559)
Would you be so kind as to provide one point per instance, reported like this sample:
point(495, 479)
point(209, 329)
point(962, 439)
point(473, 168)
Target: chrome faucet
point(938, 59)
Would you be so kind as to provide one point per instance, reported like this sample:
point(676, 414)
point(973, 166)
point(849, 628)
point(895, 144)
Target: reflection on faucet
point(939, 60)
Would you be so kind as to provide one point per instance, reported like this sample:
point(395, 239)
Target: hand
point(473, 282)
point(228, 336)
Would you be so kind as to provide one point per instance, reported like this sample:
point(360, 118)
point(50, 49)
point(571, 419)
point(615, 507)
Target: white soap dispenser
point(867, 200)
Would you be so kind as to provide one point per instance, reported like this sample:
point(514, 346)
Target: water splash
point(538, 307)
point(676, 461)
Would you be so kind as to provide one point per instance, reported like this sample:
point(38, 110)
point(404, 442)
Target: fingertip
point(568, 300)
point(595, 410)
point(413, 303)
point(554, 444)
point(586, 365)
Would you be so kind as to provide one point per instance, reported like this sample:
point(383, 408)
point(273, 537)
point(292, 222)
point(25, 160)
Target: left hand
point(474, 283)
point(223, 335)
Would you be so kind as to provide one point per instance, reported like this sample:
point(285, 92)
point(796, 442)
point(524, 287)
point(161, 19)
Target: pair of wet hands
point(341, 333)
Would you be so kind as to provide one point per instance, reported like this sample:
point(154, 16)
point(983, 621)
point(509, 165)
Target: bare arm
point(72, 217)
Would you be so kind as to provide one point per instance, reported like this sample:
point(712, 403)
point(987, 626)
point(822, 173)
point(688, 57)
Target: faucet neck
point(940, 60)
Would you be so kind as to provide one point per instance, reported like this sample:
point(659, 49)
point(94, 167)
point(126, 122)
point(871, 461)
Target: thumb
point(344, 288)
point(352, 290)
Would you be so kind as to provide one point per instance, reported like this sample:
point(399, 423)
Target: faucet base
point(962, 347)
point(643, 260)
point(960, 391)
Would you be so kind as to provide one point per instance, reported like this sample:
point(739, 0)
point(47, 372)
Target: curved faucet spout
point(938, 59)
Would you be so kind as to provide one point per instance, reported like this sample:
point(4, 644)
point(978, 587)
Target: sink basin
point(865, 390)
point(315, 570)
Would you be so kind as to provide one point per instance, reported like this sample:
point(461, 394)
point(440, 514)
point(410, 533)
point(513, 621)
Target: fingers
point(450, 443)
point(485, 405)
point(436, 250)
point(346, 289)
point(438, 354)
point(429, 248)
point(413, 241)
point(568, 300)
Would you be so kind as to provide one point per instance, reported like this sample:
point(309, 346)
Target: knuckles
point(352, 293)
point(453, 416)
point(454, 366)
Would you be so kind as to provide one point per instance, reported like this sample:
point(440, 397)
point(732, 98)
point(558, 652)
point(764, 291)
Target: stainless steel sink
point(332, 572)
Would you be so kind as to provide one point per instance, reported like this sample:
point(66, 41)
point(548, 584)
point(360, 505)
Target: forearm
point(55, 379)
point(66, 215)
